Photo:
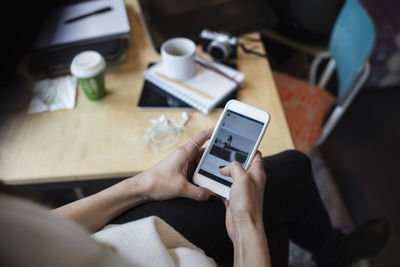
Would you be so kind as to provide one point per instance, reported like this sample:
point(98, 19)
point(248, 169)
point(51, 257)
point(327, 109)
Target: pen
point(98, 11)
point(240, 84)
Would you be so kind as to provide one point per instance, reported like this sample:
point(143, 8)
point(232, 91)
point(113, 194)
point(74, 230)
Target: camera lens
point(219, 51)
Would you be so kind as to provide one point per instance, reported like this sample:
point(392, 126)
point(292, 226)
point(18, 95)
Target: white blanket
point(152, 242)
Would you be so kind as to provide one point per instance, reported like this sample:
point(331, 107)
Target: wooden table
point(104, 139)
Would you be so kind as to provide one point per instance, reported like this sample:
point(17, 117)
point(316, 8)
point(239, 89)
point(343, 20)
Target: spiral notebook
point(204, 91)
point(153, 98)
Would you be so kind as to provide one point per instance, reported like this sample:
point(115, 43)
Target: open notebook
point(203, 91)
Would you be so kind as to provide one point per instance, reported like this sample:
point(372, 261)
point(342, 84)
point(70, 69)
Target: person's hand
point(245, 205)
point(166, 180)
point(169, 178)
point(244, 213)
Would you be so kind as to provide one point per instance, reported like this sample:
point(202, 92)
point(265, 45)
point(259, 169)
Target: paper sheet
point(53, 94)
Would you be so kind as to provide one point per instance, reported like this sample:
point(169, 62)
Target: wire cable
point(251, 51)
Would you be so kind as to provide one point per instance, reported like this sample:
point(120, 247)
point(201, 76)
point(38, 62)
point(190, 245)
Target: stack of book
point(212, 84)
point(85, 25)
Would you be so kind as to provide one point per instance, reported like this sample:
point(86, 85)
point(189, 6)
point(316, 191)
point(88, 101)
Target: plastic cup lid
point(87, 64)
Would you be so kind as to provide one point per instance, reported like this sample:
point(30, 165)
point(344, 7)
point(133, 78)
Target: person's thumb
point(233, 170)
point(196, 192)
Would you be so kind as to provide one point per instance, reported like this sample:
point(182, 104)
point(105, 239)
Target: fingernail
point(221, 166)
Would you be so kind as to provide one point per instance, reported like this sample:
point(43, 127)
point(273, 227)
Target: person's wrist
point(250, 243)
point(138, 188)
point(247, 227)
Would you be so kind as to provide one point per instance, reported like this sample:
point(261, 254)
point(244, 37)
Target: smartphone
point(235, 138)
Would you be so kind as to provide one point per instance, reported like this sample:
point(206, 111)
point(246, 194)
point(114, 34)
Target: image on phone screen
point(234, 141)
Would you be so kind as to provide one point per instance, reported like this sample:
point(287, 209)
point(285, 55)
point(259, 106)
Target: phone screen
point(234, 141)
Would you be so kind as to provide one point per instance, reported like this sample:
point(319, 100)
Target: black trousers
point(293, 210)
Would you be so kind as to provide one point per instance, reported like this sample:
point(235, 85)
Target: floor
point(357, 168)
point(362, 154)
point(335, 205)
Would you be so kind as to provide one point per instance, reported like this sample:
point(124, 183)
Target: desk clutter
point(59, 93)
point(108, 134)
point(164, 132)
point(211, 84)
point(53, 94)
point(70, 29)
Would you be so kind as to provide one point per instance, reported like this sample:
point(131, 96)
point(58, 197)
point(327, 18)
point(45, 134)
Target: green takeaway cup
point(88, 67)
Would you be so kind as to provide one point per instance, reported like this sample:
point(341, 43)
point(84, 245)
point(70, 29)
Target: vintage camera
point(221, 46)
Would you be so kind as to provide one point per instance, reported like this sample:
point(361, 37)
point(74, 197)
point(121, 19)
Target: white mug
point(178, 58)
